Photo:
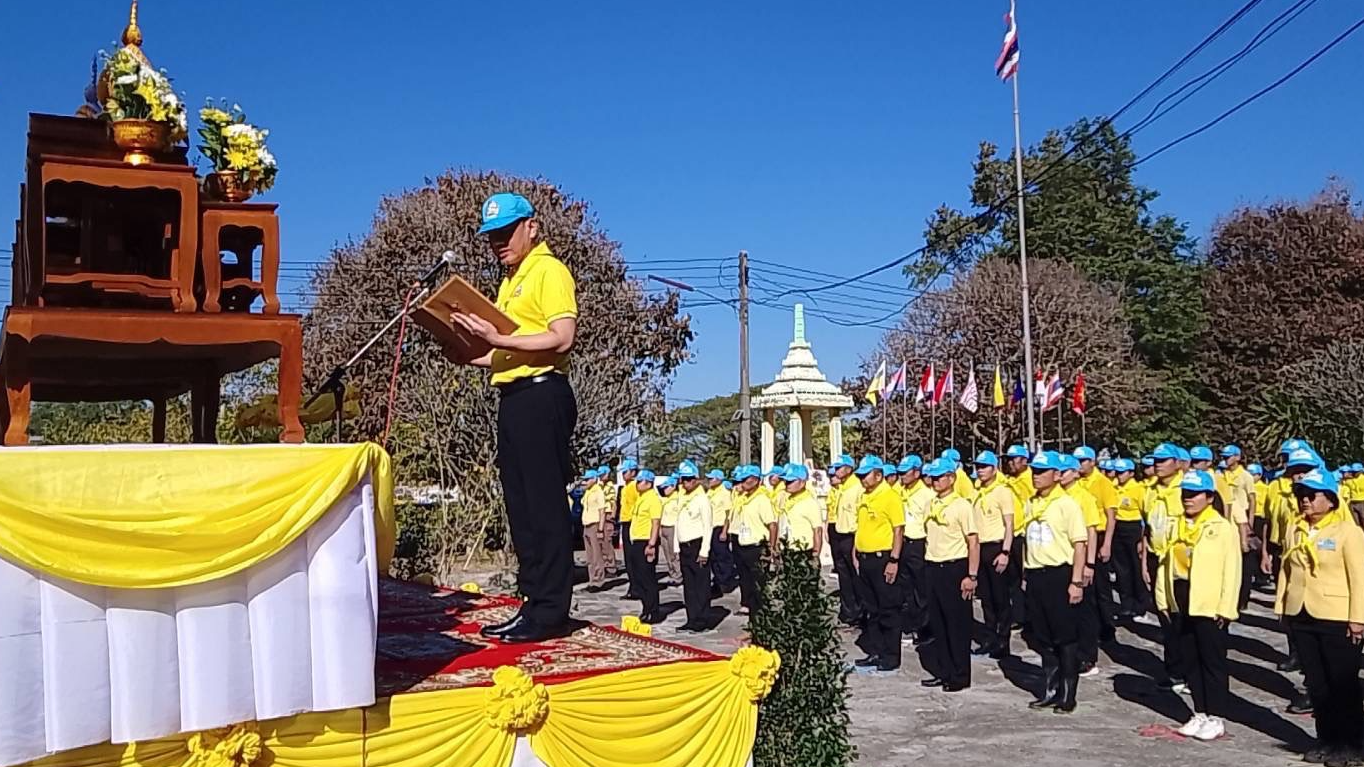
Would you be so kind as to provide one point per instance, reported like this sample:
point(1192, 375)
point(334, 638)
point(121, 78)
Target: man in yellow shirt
point(1127, 543)
point(1106, 497)
point(693, 529)
point(1091, 617)
point(536, 414)
point(722, 575)
point(953, 562)
point(1019, 478)
point(915, 496)
point(805, 529)
point(754, 524)
point(842, 526)
point(629, 497)
point(1054, 562)
point(667, 534)
point(1240, 503)
point(595, 544)
point(608, 523)
point(1260, 525)
point(1163, 508)
point(642, 552)
point(878, 541)
point(962, 483)
point(997, 514)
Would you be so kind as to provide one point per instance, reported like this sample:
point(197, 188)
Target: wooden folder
point(457, 295)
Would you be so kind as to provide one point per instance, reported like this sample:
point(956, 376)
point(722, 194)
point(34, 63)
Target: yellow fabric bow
point(757, 667)
point(515, 703)
point(235, 746)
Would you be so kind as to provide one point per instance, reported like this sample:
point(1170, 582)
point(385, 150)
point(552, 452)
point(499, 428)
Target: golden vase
point(227, 186)
point(138, 138)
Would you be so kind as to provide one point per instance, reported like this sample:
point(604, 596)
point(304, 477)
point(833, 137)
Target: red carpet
point(429, 640)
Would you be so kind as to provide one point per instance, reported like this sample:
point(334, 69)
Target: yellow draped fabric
point(157, 518)
point(674, 715)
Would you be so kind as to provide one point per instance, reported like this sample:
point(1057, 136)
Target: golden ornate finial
point(132, 35)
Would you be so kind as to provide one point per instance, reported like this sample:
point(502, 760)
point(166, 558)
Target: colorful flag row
point(933, 389)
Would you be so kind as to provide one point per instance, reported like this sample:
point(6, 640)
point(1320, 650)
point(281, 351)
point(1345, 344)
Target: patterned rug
point(429, 640)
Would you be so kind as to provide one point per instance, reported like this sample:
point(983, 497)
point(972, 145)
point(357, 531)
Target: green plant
point(230, 143)
point(138, 92)
point(804, 721)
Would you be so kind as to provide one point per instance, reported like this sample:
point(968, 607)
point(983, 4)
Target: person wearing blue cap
point(641, 551)
point(693, 535)
point(607, 482)
point(723, 577)
point(1105, 496)
point(999, 514)
point(1164, 507)
point(916, 496)
point(953, 570)
point(1054, 559)
point(1198, 586)
point(879, 538)
point(629, 498)
point(1320, 597)
point(753, 524)
point(667, 531)
point(844, 498)
point(1094, 625)
point(804, 526)
point(1018, 476)
point(595, 544)
point(537, 412)
point(1239, 499)
point(1127, 532)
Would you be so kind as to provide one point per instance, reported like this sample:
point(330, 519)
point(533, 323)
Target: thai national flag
point(1006, 65)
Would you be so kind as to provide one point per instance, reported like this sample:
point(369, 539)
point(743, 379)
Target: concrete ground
point(1123, 718)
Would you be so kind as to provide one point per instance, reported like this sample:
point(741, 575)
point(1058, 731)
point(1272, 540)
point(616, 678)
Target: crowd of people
point(1061, 547)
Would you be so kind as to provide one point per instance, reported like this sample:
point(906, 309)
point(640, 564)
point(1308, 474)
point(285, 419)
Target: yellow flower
point(515, 703)
point(757, 669)
point(633, 625)
point(470, 587)
point(214, 116)
point(239, 159)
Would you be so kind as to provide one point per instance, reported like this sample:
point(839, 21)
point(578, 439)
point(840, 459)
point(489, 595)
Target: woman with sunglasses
point(1320, 597)
point(1198, 587)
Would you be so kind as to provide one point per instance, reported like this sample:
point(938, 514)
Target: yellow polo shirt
point(1131, 495)
point(950, 521)
point(1089, 507)
point(963, 485)
point(538, 292)
point(753, 514)
point(1054, 525)
point(1261, 498)
point(594, 505)
point(721, 502)
point(993, 501)
point(849, 497)
point(1163, 509)
point(878, 513)
point(1105, 494)
point(916, 501)
point(647, 509)
point(629, 496)
point(802, 517)
point(672, 506)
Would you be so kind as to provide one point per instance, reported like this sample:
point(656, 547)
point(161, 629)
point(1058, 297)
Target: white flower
point(126, 80)
point(170, 100)
point(266, 159)
point(237, 129)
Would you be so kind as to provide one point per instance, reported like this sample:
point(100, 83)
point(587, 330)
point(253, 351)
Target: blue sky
point(815, 137)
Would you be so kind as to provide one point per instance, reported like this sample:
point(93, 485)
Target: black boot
point(1070, 678)
point(1291, 663)
point(1051, 686)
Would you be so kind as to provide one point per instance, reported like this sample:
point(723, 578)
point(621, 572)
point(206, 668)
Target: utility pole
point(745, 412)
point(1023, 269)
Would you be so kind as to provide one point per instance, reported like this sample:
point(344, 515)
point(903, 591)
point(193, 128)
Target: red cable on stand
point(397, 358)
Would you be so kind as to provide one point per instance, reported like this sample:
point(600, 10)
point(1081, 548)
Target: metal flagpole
point(952, 409)
point(932, 427)
point(1060, 430)
point(904, 419)
point(1023, 254)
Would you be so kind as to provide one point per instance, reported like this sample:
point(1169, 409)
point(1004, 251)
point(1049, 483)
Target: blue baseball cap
point(1123, 464)
point(890, 469)
point(1148, 460)
point(645, 475)
point(987, 458)
point(1291, 444)
point(1047, 460)
point(952, 454)
point(1200, 453)
point(627, 465)
point(1303, 457)
point(667, 481)
point(1165, 451)
point(1198, 481)
point(727, 485)
point(1256, 469)
point(841, 461)
point(1357, 467)
point(590, 474)
point(715, 474)
point(1069, 463)
point(1184, 455)
point(940, 467)
point(687, 470)
point(1084, 453)
point(910, 463)
point(1231, 450)
point(1017, 451)
point(1317, 479)
point(603, 470)
point(747, 471)
point(795, 472)
point(504, 209)
point(869, 464)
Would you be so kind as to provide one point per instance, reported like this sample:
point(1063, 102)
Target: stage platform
point(600, 697)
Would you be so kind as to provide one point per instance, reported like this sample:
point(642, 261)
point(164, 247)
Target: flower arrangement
point(515, 703)
point(138, 92)
point(232, 144)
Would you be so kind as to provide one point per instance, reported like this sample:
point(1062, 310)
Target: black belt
point(512, 387)
point(872, 554)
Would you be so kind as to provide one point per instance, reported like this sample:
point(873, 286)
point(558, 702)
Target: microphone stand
point(335, 381)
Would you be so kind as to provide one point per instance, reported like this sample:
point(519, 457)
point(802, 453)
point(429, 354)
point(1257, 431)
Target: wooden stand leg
point(18, 391)
point(159, 419)
point(269, 265)
point(189, 245)
point(290, 385)
point(212, 261)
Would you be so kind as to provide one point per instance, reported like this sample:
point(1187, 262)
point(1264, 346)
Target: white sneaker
point(1091, 671)
point(1147, 619)
point(1192, 726)
point(1181, 689)
point(1212, 729)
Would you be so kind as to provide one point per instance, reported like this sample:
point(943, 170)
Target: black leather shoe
point(1291, 663)
point(529, 631)
point(932, 681)
point(984, 649)
point(498, 629)
point(955, 687)
point(651, 618)
point(1000, 653)
point(888, 666)
point(628, 596)
point(1301, 704)
point(867, 662)
point(1316, 755)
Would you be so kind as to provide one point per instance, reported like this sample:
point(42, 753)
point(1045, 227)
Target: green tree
point(1085, 208)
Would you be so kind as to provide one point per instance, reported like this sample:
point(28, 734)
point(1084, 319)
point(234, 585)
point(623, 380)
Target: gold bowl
point(226, 186)
point(137, 138)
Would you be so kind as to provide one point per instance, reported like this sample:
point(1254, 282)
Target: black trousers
point(881, 634)
point(1330, 667)
point(722, 572)
point(841, 546)
point(1053, 619)
point(913, 587)
point(695, 584)
point(1250, 565)
point(749, 561)
point(994, 596)
point(1203, 646)
point(949, 616)
point(1014, 577)
point(1126, 564)
point(643, 576)
point(1103, 597)
point(534, 424)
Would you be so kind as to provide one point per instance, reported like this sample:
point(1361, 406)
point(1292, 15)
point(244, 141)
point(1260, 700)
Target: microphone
point(446, 259)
